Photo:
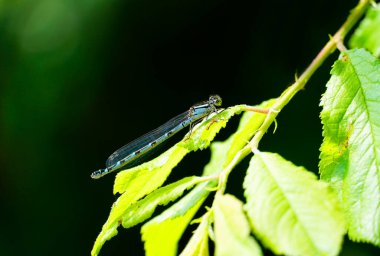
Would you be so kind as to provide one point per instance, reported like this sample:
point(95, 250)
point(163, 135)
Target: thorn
point(275, 126)
point(295, 76)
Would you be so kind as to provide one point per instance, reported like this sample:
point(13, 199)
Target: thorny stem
point(299, 84)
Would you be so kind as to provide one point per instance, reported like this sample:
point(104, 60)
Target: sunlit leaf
point(202, 137)
point(162, 233)
point(218, 157)
point(232, 232)
point(140, 183)
point(198, 244)
point(350, 153)
point(150, 175)
point(177, 217)
point(144, 208)
point(290, 211)
point(367, 35)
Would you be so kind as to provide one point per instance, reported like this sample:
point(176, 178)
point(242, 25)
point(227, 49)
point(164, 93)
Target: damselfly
point(129, 155)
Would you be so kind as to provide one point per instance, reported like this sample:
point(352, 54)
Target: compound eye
point(216, 99)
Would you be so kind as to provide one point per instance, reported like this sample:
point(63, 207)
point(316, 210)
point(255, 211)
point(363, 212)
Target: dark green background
point(78, 79)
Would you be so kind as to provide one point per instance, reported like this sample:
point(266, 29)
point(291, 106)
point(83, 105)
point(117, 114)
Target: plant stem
point(299, 84)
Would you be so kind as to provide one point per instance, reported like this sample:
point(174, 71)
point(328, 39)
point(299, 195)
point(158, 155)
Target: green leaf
point(118, 210)
point(140, 182)
point(202, 137)
point(290, 210)
point(198, 244)
point(232, 232)
point(177, 217)
point(143, 209)
point(350, 152)
point(249, 123)
point(367, 35)
point(218, 157)
point(162, 233)
point(146, 177)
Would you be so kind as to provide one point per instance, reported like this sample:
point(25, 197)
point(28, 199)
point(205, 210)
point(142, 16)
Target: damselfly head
point(216, 100)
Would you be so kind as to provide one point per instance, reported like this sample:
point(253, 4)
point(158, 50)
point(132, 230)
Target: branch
point(298, 85)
